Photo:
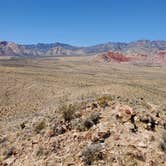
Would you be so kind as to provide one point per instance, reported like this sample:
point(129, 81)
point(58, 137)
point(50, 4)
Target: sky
point(82, 22)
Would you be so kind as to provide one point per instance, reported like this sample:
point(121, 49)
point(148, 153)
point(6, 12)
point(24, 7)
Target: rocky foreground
point(106, 131)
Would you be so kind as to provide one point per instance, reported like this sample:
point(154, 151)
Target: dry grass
point(68, 111)
point(30, 87)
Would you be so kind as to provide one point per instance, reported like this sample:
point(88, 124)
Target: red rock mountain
point(119, 57)
point(133, 52)
point(112, 57)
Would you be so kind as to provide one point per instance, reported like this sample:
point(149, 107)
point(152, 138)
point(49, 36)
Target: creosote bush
point(78, 124)
point(85, 124)
point(103, 101)
point(68, 111)
point(88, 123)
point(95, 116)
point(92, 153)
point(40, 151)
point(93, 119)
point(40, 126)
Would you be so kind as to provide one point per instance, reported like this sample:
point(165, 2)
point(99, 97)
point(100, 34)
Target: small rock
point(158, 114)
point(142, 145)
point(164, 125)
point(93, 106)
point(10, 152)
point(78, 114)
point(51, 133)
point(116, 137)
point(127, 110)
point(3, 140)
point(104, 134)
point(70, 164)
point(9, 161)
point(22, 125)
point(56, 146)
point(137, 154)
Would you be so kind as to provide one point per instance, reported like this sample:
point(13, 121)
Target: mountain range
point(140, 47)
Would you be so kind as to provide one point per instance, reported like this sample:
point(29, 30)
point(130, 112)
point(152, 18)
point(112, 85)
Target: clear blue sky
point(82, 22)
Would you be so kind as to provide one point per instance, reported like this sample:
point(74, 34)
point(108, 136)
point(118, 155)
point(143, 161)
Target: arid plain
point(35, 87)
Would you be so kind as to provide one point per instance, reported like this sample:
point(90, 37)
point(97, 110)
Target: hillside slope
point(106, 131)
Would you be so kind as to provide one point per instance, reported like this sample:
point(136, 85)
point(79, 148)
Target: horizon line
point(59, 42)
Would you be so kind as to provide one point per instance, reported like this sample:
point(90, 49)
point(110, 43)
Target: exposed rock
point(97, 137)
point(137, 154)
point(51, 133)
point(142, 145)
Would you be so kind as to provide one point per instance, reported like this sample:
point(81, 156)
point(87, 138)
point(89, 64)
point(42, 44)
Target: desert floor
point(30, 87)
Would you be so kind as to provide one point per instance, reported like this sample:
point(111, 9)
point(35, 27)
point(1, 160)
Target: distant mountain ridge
point(144, 47)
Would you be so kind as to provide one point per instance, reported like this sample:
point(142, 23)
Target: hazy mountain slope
point(141, 46)
point(45, 46)
point(13, 49)
point(105, 47)
point(145, 47)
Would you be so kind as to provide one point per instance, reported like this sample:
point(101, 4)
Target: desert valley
point(100, 105)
